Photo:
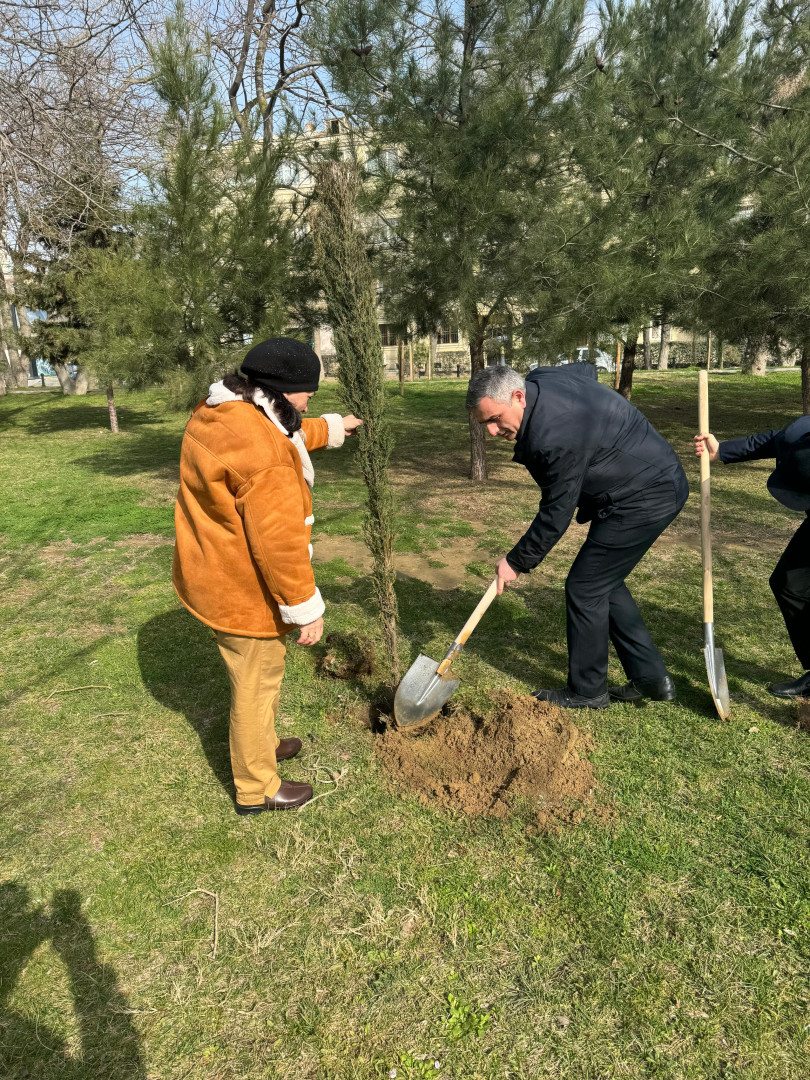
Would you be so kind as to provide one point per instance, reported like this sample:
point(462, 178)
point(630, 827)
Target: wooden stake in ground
point(618, 376)
point(351, 304)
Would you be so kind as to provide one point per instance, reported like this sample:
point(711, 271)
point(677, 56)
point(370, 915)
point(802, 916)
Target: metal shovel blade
point(422, 692)
point(716, 670)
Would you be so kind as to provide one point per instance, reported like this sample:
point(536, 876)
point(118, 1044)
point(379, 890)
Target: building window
point(388, 334)
point(447, 337)
point(333, 127)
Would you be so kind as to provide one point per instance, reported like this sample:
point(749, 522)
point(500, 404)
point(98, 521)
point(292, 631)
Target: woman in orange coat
point(243, 520)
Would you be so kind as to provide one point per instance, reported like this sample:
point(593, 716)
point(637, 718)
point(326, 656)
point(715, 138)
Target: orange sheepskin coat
point(243, 520)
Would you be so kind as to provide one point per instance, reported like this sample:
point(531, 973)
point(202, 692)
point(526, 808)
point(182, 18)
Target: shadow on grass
point(29, 1048)
point(182, 669)
point(52, 413)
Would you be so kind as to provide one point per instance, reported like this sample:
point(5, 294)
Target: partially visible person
point(587, 447)
point(789, 483)
point(243, 520)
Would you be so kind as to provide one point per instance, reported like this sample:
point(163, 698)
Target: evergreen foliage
point(348, 286)
point(671, 69)
point(464, 108)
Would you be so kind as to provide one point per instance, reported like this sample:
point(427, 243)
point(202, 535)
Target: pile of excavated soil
point(529, 753)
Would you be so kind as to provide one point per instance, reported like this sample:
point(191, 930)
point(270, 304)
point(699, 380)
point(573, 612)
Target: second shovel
point(715, 664)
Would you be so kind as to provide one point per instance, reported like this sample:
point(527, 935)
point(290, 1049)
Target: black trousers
point(790, 583)
point(599, 606)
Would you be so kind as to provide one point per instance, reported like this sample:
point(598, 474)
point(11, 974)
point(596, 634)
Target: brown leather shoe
point(290, 795)
point(288, 748)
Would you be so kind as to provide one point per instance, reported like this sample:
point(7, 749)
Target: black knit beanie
point(283, 364)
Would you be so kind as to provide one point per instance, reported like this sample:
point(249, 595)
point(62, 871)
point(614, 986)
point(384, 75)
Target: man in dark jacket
point(587, 447)
point(789, 483)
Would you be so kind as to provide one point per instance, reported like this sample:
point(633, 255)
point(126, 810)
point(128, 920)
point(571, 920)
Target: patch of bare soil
point(455, 557)
point(348, 656)
point(529, 753)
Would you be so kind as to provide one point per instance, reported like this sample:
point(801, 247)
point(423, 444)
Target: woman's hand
point(311, 633)
point(707, 443)
point(351, 424)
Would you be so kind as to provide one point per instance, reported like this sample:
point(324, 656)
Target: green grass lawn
point(370, 933)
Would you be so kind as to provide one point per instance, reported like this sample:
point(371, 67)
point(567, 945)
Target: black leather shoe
point(290, 795)
point(798, 688)
point(288, 748)
point(567, 699)
point(662, 689)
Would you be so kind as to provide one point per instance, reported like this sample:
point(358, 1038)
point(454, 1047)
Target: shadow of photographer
point(29, 1048)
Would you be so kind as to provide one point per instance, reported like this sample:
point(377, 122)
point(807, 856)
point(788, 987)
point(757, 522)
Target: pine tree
point(464, 110)
point(668, 69)
point(760, 263)
point(351, 303)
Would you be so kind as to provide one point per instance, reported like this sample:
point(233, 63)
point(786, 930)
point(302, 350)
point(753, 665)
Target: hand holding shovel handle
point(468, 627)
point(715, 664)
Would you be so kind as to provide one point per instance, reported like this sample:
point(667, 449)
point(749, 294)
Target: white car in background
point(604, 361)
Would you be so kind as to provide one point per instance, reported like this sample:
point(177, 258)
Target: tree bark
point(478, 457)
point(71, 387)
point(805, 362)
point(663, 355)
point(755, 357)
point(647, 350)
point(17, 357)
point(591, 349)
point(628, 366)
point(709, 351)
point(3, 386)
point(432, 347)
point(694, 348)
point(112, 409)
point(410, 361)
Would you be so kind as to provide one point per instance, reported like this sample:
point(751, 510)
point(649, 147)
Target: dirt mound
point(527, 753)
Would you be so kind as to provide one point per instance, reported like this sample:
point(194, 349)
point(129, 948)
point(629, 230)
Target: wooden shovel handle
point(470, 625)
point(705, 499)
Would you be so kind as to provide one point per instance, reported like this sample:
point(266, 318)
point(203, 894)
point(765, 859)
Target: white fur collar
point(218, 393)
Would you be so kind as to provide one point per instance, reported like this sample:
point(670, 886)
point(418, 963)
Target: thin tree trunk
point(3, 386)
point(113, 410)
point(401, 365)
point(663, 354)
point(755, 357)
point(18, 359)
point(410, 361)
point(618, 373)
point(628, 366)
point(647, 351)
point(432, 347)
point(805, 362)
point(720, 353)
point(478, 457)
point(694, 348)
point(591, 349)
point(709, 351)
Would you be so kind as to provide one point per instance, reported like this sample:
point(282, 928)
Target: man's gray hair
point(497, 382)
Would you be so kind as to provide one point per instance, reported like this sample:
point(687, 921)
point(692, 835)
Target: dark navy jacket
point(586, 446)
point(790, 446)
point(765, 444)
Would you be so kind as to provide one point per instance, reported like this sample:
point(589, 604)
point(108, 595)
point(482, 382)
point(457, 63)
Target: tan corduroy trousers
point(255, 668)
